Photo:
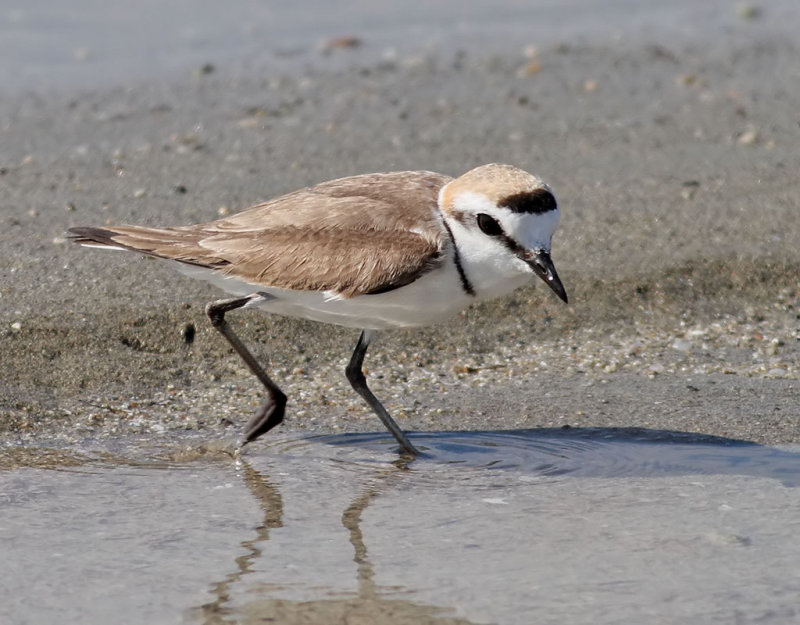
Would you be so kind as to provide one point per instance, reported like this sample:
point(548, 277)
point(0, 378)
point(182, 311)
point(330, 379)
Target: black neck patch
point(537, 202)
point(465, 283)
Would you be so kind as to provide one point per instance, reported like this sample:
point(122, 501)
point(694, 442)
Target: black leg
point(270, 413)
point(358, 381)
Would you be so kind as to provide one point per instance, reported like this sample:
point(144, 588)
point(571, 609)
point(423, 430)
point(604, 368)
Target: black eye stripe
point(489, 225)
point(538, 201)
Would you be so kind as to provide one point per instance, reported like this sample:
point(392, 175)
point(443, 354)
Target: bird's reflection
point(369, 606)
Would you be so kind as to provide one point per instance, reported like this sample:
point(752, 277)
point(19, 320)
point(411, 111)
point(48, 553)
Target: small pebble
point(530, 52)
point(342, 42)
point(748, 137)
point(534, 67)
point(188, 333)
point(682, 345)
point(748, 11)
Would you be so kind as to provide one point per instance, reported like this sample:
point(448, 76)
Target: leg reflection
point(351, 519)
point(271, 502)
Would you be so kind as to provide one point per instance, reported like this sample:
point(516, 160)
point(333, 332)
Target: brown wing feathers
point(351, 236)
point(347, 262)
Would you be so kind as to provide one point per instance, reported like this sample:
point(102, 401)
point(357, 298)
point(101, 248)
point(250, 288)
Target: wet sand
point(674, 161)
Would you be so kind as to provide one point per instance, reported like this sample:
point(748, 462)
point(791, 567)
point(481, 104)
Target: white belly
point(433, 298)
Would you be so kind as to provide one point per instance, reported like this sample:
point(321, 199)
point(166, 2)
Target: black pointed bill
point(543, 267)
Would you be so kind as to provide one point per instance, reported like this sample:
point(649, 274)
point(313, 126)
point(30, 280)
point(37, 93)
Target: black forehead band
point(537, 202)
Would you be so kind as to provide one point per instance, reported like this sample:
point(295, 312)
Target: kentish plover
point(374, 252)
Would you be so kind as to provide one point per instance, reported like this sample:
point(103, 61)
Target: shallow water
point(578, 526)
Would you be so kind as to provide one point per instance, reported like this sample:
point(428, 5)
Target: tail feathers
point(172, 244)
point(89, 236)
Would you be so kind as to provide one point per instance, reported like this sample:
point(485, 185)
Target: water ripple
point(557, 453)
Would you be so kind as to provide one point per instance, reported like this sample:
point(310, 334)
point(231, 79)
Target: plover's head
point(510, 212)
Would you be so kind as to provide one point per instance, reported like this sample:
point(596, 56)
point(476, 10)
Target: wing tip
point(91, 236)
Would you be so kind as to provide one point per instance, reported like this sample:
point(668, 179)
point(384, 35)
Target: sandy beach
point(628, 458)
point(674, 163)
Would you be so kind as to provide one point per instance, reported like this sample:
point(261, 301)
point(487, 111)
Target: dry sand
point(675, 165)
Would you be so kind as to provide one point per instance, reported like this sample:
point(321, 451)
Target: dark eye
point(489, 225)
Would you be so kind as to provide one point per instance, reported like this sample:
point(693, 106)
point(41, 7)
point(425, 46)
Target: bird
point(373, 252)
